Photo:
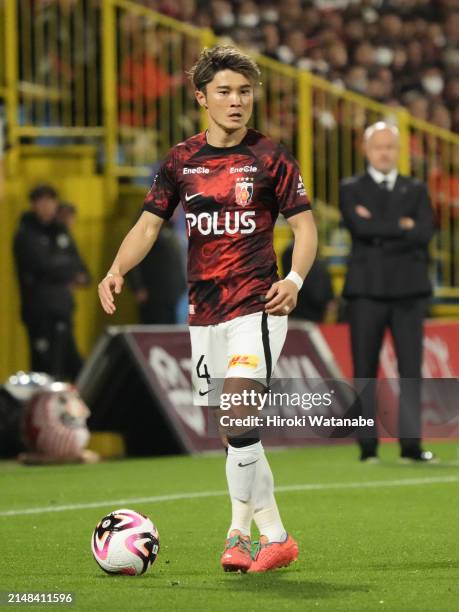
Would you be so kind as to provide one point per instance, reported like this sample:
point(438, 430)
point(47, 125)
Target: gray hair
point(377, 127)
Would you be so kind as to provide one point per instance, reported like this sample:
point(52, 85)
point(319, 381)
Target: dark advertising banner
point(164, 354)
point(439, 386)
point(165, 358)
point(138, 383)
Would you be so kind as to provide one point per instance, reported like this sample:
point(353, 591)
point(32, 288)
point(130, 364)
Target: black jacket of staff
point(47, 262)
point(387, 261)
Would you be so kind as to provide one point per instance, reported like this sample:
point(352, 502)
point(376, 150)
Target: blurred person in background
point(387, 285)
point(159, 281)
point(440, 115)
point(48, 266)
point(2, 157)
point(66, 215)
point(316, 300)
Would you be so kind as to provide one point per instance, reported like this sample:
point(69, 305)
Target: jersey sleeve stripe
point(164, 214)
point(296, 210)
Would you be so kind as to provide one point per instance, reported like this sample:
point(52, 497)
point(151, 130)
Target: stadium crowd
point(395, 51)
point(398, 52)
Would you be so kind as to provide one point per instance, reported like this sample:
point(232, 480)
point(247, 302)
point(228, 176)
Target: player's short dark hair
point(222, 57)
point(42, 191)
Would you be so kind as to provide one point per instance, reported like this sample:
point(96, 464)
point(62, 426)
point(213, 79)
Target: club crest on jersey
point(244, 191)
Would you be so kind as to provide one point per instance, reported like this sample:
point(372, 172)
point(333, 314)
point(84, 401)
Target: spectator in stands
point(271, 40)
point(387, 284)
point(356, 79)
point(455, 119)
point(418, 105)
point(48, 265)
point(440, 115)
point(143, 81)
point(415, 43)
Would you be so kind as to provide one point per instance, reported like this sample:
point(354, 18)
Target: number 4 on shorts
point(202, 371)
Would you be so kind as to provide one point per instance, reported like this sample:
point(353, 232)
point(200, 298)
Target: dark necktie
point(384, 185)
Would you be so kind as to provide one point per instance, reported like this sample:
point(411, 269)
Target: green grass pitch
point(372, 537)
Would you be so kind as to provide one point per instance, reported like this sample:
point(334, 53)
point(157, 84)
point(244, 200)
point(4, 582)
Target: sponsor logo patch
point(301, 191)
point(250, 361)
point(231, 222)
point(244, 169)
point(198, 170)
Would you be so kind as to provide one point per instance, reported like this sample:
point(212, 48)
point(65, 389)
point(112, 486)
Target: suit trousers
point(369, 318)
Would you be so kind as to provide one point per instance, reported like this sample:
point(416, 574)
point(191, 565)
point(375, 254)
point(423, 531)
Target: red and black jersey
point(231, 197)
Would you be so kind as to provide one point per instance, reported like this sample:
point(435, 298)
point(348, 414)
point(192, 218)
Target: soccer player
point(232, 182)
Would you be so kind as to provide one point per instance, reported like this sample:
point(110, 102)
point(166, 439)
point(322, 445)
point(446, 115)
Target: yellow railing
point(113, 73)
point(2, 52)
point(148, 102)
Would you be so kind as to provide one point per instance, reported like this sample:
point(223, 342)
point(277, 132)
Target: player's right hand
point(112, 283)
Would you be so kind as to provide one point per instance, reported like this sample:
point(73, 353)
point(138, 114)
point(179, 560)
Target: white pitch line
point(202, 494)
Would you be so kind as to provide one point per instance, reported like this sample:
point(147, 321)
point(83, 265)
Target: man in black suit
point(391, 223)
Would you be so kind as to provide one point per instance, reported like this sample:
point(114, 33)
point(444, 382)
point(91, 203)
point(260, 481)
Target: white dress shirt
point(379, 177)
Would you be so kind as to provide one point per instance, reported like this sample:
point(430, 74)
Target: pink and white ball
point(125, 542)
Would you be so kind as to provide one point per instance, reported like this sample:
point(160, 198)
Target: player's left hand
point(281, 298)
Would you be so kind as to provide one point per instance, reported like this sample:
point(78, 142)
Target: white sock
point(241, 464)
point(266, 513)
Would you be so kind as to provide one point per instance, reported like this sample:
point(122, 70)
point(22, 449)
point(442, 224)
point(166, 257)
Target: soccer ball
point(125, 542)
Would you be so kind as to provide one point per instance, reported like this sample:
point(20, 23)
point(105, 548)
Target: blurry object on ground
point(43, 421)
point(158, 282)
point(48, 267)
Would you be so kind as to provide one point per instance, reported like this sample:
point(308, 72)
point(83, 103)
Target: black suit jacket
point(387, 261)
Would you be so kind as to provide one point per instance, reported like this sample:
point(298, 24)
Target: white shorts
point(245, 347)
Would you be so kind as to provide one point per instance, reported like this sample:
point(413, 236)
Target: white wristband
point(295, 278)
